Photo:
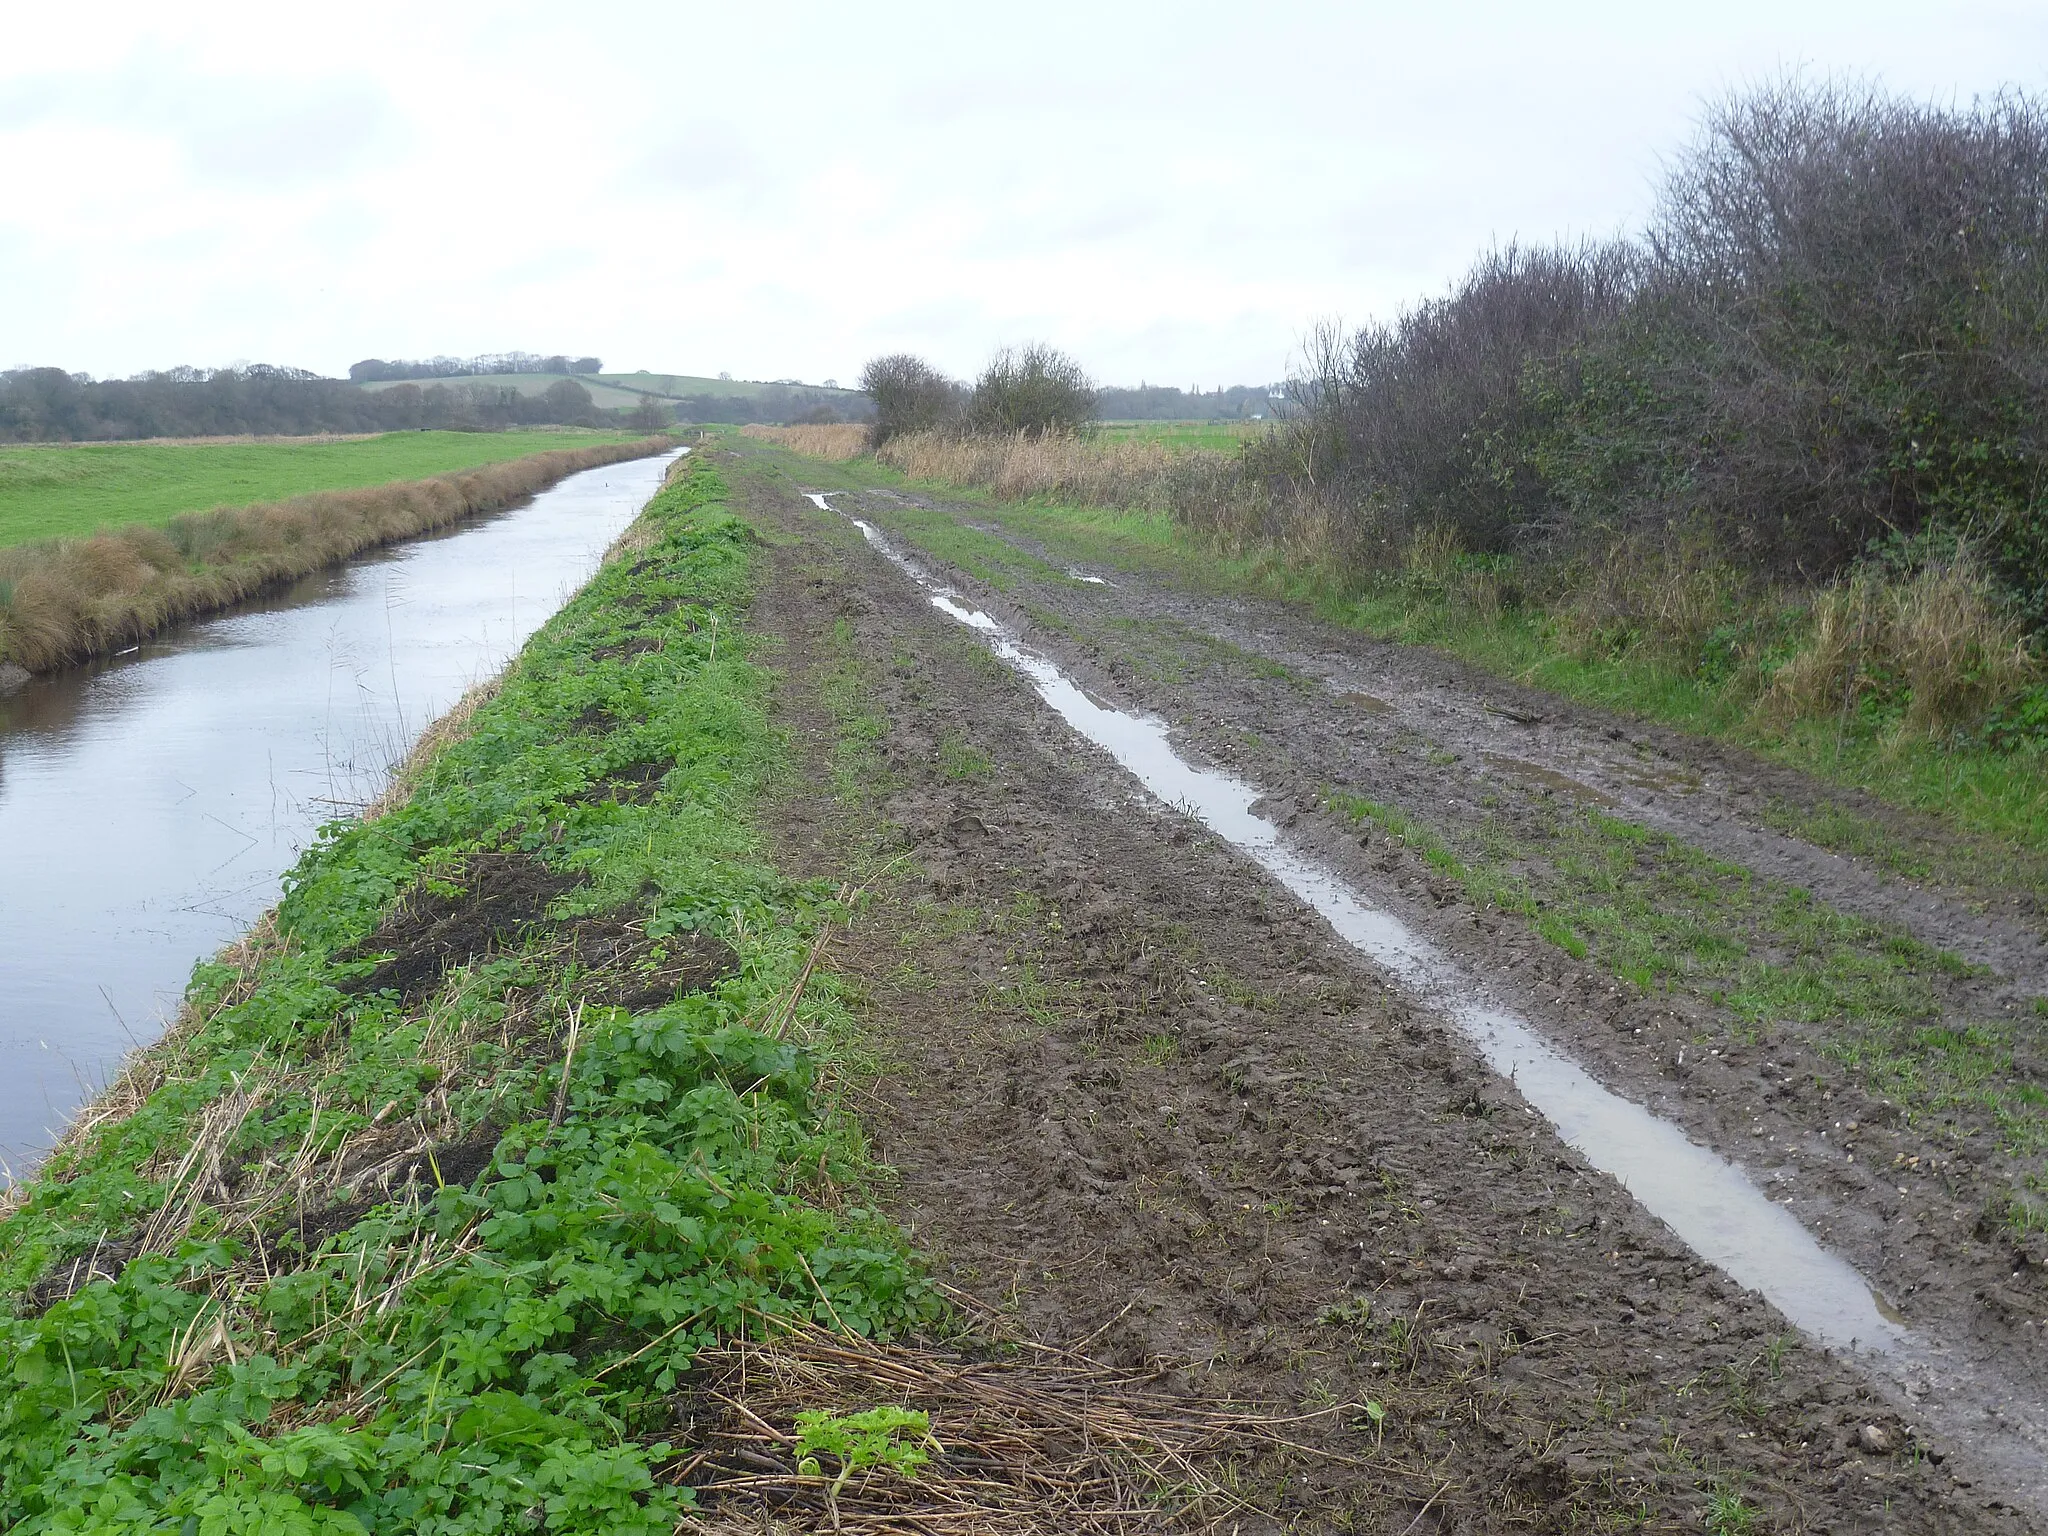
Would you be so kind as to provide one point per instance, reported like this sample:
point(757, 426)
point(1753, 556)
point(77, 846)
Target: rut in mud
point(1149, 1102)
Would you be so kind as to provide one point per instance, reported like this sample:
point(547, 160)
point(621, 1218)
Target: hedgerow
point(218, 1330)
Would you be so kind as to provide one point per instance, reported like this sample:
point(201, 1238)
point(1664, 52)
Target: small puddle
point(1366, 702)
point(1093, 581)
point(1536, 773)
point(1701, 1196)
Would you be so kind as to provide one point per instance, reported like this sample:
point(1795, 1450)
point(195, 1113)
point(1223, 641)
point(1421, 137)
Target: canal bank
point(149, 802)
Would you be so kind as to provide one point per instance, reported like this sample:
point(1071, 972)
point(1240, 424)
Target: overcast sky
point(1171, 192)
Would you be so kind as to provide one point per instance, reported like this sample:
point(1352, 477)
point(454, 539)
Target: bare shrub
point(910, 395)
point(1844, 338)
point(1032, 390)
point(843, 441)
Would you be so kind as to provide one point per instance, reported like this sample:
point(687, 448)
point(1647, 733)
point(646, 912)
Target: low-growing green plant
point(1729, 1514)
point(277, 1349)
point(896, 1439)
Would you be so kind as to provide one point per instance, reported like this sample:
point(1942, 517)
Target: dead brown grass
point(845, 440)
point(1029, 1439)
point(64, 600)
point(1129, 474)
point(1939, 634)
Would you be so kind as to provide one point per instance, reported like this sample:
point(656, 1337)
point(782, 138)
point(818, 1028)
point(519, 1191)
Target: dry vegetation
point(1785, 445)
point(838, 442)
point(64, 600)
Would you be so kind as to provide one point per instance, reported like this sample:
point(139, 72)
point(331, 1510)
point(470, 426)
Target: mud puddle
point(1701, 1196)
point(1549, 778)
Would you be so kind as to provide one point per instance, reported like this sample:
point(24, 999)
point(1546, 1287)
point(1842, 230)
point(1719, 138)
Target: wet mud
point(1145, 1099)
point(492, 902)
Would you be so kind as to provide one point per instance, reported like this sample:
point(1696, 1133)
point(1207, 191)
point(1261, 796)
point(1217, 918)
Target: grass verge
point(449, 1176)
point(1666, 918)
point(63, 600)
point(1999, 797)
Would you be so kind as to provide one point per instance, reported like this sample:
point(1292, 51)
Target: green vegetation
point(63, 600)
point(397, 1236)
point(1214, 436)
point(57, 491)
point(1985, 787)
point(1663, 916)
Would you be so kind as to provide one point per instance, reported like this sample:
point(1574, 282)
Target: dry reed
point(1939, 636)
point(64, 600)
point(838, 442)
point(1127, 475)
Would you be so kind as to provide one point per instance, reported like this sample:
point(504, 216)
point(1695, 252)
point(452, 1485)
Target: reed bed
point(1132, 474)
point(63, 601)
point(839, 442)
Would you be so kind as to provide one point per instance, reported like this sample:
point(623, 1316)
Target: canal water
point(150, 802)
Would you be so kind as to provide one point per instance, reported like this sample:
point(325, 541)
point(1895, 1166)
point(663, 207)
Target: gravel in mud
point(1140, 1098)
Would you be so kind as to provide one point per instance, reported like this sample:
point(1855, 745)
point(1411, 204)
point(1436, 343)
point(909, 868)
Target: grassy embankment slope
point(61, 490)
point(1996, 797)
point(67, 599)
point(418, 1216)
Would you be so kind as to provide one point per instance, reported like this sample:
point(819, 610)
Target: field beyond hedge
point(58, 490)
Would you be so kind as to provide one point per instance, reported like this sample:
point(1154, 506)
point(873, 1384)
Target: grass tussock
point(1936, 646)
point(65, 600)
point(838, 441)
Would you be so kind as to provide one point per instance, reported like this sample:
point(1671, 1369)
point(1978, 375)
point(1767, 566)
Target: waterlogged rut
point(149, 804)
point(1703, 1197)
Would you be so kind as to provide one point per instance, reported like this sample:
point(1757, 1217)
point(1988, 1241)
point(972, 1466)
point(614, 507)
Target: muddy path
point(1883, 1087)
point(1137, 1096)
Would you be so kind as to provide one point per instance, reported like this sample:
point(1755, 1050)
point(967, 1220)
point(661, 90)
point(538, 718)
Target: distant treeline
point(777, 403)
point(1164, 402)
point(50, 405)
point(374, 370)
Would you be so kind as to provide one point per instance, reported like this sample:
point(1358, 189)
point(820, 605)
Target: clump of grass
point(1935, 649)
point(70, 599)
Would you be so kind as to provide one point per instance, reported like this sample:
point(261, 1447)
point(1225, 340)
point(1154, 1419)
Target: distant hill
point(692, 396)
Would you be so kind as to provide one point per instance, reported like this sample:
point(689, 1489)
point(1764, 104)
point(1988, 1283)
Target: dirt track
point(1141, 1097)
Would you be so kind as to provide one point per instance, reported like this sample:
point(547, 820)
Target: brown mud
point(1912, 1198)
point(1146, 1102)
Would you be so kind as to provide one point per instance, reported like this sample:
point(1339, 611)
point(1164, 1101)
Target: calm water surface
point(148, 804)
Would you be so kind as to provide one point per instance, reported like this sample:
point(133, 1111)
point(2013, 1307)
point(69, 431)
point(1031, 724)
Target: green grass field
point(1223, 436)
point(54, 490)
